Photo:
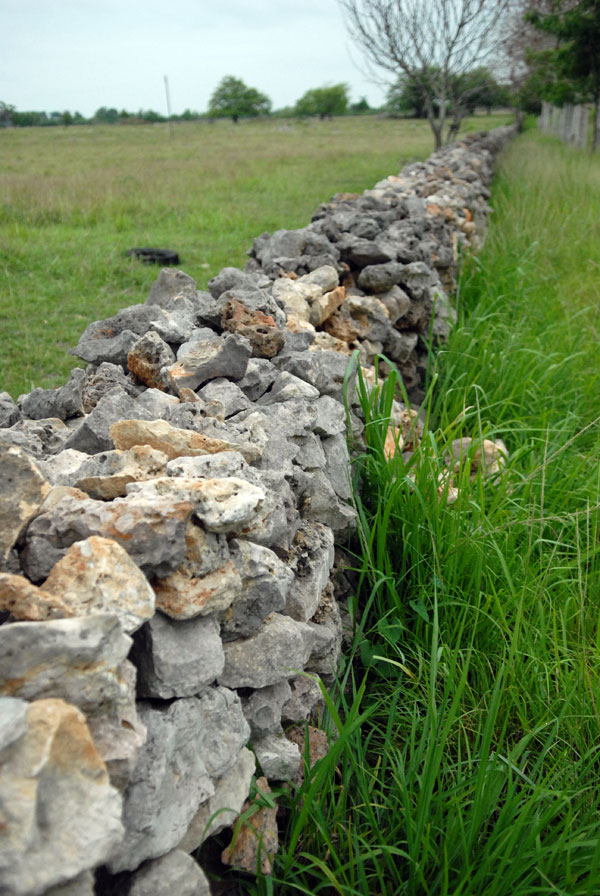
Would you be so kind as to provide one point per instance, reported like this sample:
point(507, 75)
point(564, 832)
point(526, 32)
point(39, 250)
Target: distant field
point(73, 200)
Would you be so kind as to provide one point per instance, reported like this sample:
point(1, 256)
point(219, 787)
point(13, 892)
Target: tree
point(433, 43)
point(324, 101)
point(233, 99)
point(6, 114)
point(576, 59)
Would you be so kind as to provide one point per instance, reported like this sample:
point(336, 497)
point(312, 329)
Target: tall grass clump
point(465, 726)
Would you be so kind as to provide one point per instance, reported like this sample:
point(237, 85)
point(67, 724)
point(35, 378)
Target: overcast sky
point(83, 54)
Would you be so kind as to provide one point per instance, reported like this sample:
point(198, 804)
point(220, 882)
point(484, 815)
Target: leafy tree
point(433, 43)
point(233, 99)
point(324, 101)
point(406, 99)
point(576, 59)
point(361, 107)
point(106, 116)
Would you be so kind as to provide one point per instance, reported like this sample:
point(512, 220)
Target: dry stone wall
point(168, 522)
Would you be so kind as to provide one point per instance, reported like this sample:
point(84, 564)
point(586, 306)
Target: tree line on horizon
point(446, 58)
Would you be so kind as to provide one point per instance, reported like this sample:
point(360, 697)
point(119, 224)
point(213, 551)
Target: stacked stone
point(167, 529)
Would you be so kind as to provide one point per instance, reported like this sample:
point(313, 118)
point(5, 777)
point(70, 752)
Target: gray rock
point(259, 376)
point(13, 720)
point(223, 808)
point(278, 757)
point(170, 283)
point(62, 403)
point(151, 529)
point(318, 502)
point(277, 651)
point(82, 885)
point(100, 380)
point(208, 466)
point(9, 412)
point(337, 466)
point(286, 386)
point(118, 733)
point(61, 815)
point(325, 277)
point(263, 708)
point(227, 393)
point(324, 370)
point(265, 584)
point(331, 416)
point(233, 278)
point(61, 468)
point(22, 491)
point(168, 784)
point(224, 730)
point(39, 438)
point(178, 318)
point(175, 874)
point(306, 699)
point(77, 660)
point(311, 455)
point(378, 278)
point(92, 434)
point(177, 659)
point(360, 252)
point(311, 560)
point(208, 356)
point(326, 627)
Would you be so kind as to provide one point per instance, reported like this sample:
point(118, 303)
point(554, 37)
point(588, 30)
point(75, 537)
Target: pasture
point(73, 200)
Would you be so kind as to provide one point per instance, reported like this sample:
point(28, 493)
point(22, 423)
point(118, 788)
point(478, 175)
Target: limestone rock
point(22, 491)
point(97, 575)
point(100, 380)
point(311, 560)
point(224, 731)
point(9, 412)
point(278, 758)
point(306, 699)
point(62, 403)
point(77, 660)
point(163, 437)
point(227, 393)
point(151, 529)
point(265, 581)
point(147, 356)
point(259, 375)
point(26, 602)
point(61, 816)
point(106, 475)
point(168, 783)
point(170, 283)
point(174, 874)
point(261, 331)
point(177, 659)
point(326, 277)
point(278, 650)
point(263, 708)
point(93, 433)
point(208, 356)
point(182, 596)
point(325, 305)
point(285, 387)
point(221, 809)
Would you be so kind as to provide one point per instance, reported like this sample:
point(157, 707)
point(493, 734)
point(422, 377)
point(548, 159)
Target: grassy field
point(468, 713)
point(73, 200)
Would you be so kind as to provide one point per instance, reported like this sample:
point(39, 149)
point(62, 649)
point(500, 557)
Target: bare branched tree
point(434, 43)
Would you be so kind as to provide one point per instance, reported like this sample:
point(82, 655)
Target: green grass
point(467, 756)
point(73, 200)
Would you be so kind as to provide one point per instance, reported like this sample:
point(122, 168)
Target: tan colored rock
point(256, 840)
point(183, 597)
point(28, 603)
point(318, 746)
point(97, 575)
point(488, 457)
point(341, 325)
point(163, 437)
point(323, 307)
point(58, 492)
point(296, 295)
point(297, 324)
point(60, 814)
point(122, 467)
point(324, 342)
point(22, 491)
point(258, 328)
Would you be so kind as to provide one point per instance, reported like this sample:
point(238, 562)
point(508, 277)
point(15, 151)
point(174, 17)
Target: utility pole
point(168, 106)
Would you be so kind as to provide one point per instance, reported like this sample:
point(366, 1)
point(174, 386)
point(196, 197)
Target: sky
point(83, 54)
